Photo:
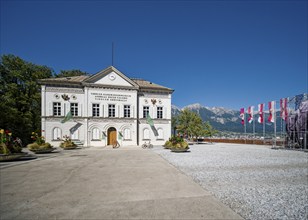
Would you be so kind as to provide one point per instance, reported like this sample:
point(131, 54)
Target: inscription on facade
point(110, 97)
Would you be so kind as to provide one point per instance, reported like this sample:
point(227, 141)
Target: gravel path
point(255, 181)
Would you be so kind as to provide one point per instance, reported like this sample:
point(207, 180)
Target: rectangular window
point(57, 109)
point(74, 109)
point(95, 110)
point(145, 111)
point(111, 110)
point(159, 112)
point(126, 111)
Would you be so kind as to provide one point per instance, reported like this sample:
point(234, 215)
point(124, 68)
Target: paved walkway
point(104, 184)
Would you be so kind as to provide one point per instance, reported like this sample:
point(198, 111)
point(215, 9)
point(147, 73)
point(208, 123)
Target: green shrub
point(46, 145)
point(4, 149)
point(168, 144)
point(176, 143)
point(36, 146)
point(33, 146)
point(67, 143)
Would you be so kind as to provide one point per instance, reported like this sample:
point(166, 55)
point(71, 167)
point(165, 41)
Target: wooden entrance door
point(112, 136)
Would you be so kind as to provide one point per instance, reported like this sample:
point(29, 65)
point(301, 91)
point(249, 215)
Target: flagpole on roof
point(112, 53)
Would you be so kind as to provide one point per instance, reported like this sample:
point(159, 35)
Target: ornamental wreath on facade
point(65, 97)
point(153, 101)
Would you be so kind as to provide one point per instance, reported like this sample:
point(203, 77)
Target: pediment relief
point(111, 77)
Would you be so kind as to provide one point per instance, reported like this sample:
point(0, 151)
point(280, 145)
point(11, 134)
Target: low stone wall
point(247, 141)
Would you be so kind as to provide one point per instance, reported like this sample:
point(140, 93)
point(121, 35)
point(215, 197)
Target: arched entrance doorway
point(111, 136)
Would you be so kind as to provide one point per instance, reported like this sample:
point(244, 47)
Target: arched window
point(160, 134)
point(95, 134)
point(127, 134)
point(56, 134)
point(146, 134)
point(74, 135)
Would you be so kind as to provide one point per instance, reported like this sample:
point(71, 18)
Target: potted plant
point(39, 145)
point(177, 144)
point(67, 143)
point(9, 149)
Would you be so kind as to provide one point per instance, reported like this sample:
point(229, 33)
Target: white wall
point(86, 122)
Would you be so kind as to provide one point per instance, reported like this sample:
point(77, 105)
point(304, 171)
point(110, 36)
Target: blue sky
point(218, 53)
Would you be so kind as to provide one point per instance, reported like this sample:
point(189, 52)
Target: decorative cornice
point(103, 86)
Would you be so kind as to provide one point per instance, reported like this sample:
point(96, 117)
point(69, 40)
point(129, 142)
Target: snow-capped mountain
point(220, 118)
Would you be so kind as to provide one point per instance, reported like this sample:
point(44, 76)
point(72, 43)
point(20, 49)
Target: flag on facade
point(150, 120)
point(250, 113)
point(67, 117)
point(283, 108)
point(242, 115)
point(298, 100)
point(120, 135)
point(271, 108)
point(260, 110)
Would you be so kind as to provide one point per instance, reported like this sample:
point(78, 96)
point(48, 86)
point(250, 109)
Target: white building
point(106, 107)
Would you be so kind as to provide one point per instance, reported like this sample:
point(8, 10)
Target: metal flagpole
point(263, 124)
point(253, 128)
point(245, 125)
point(274, 112)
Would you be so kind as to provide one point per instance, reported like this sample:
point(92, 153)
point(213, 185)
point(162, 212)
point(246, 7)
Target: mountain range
point(227, 120)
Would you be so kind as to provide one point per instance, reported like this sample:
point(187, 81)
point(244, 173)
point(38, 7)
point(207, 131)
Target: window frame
point(74, 108)
point(97, 134)
point(111, 110)
point(160, 112)
point(56, 109)
point(144, 136)
point(127, 134)
point(146, 110)
point(127, 111)
point(95, 110)
point(59, 136)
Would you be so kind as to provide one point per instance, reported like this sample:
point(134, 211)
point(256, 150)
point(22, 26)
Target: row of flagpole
point(284, 112)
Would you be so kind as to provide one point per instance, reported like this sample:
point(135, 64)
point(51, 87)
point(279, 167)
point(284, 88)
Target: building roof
point(84, 80)
point(147, 85)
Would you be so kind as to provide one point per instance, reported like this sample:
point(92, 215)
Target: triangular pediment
point(111, 77)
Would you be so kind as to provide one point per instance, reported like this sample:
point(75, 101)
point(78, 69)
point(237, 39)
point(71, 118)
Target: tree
point(20, 99)
point(68, 73)
point(190, 124)
point(209, 130)
point(174, 124)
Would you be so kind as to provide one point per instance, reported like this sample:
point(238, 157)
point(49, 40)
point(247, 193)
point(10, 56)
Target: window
point(127, 134)
point(57, 109)
point(74, 135)
point(111, 110)
point(126, 111)
point(95, 134)
point(159, 112)
point(95, 110)
point(74, 109)
point(160, 134)
point(146, 134)
point(145, 111)
point(56, 134)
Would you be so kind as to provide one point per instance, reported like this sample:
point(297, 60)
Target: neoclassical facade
point(105, 107)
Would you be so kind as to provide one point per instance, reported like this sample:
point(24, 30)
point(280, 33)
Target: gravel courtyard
point(255, 181)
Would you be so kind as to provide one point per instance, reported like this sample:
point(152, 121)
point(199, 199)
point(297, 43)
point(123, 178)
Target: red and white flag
point(271, 108)
point(250, 113)
point(242, 115)
point(283, 108)
point(260, 110)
